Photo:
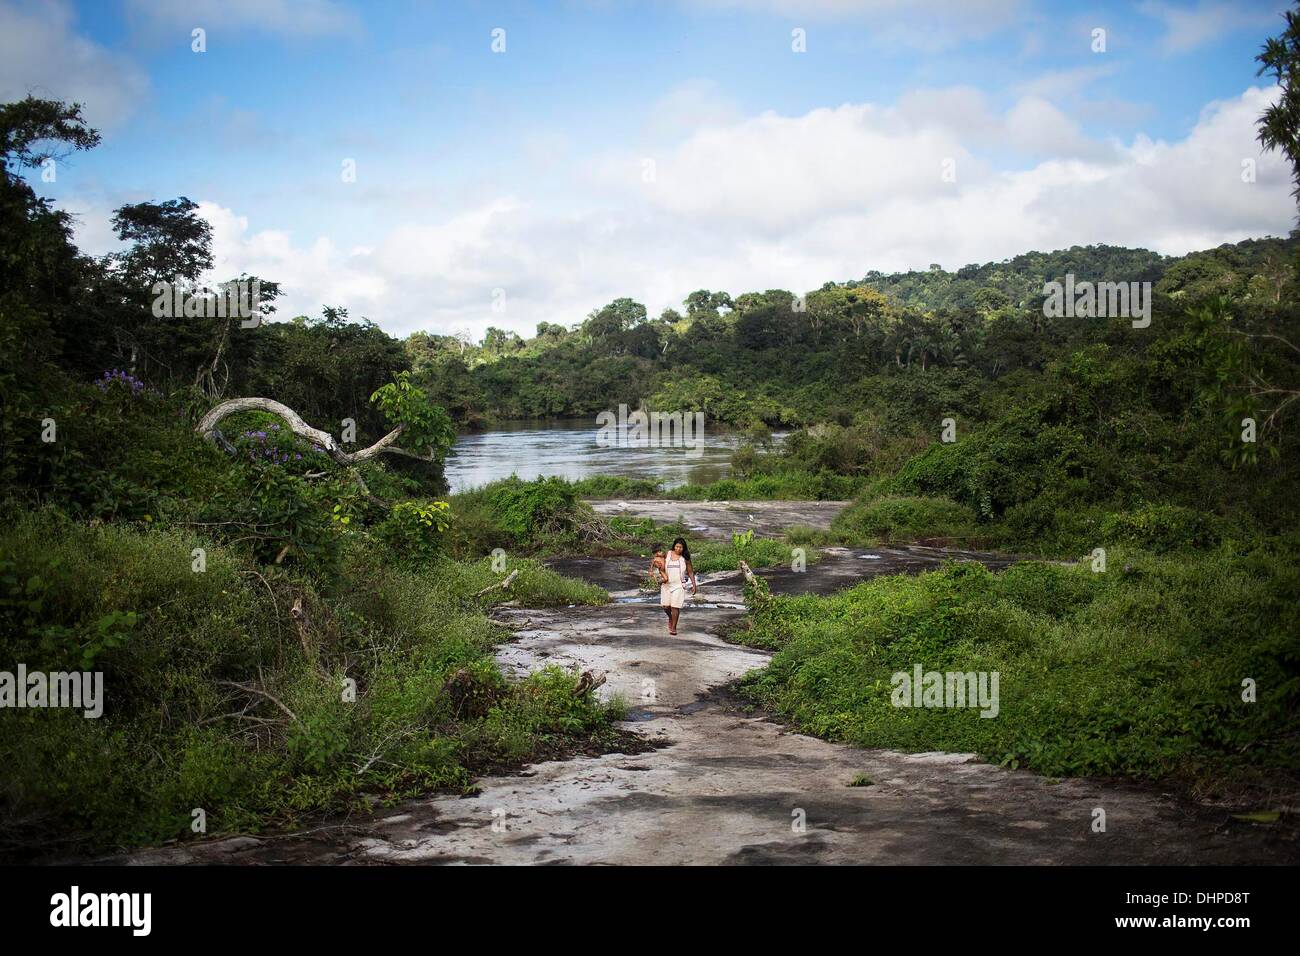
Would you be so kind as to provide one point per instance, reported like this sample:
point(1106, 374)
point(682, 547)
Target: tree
point(41, 272)
point(703, 301)
point(34, 130)
point(1279, 126)
point(621, 315)
point(501, 341)
point(171, 244)
point(171, 241)
point(213, 374)
point(989, 301)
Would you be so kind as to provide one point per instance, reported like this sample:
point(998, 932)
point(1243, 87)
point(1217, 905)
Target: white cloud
point(960, 110)
point(776, 173)
point(1036, 127)
point(41, 54)
point(334, 277)
point(787, 202)
point(687, 107)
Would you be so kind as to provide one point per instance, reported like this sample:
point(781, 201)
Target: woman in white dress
point(679, 574)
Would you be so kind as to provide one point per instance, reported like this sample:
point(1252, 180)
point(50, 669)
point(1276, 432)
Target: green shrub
point(904, 519)
point(709, 556)
point(807, 536)
point(1162, 528)
point(530, 509)
point(1138, 671)
point(189, 719)
point(415, 529)
point(616, 486)
point(262, 438)
point(474, 531)
point(1011, 461)
point(119, 454)
point(277, 514)
point(516, 514)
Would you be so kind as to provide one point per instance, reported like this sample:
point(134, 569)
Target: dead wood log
point(251, 689)
point(207, 428)
point(588, 682)
point(503, 585)
point(299, 616)
point(758, 594)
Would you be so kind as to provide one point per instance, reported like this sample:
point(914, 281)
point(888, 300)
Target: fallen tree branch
point(757, 593)
point(385, 744)
point(249, 689)
point(588, 682)
point(503, 585)
point(207, 428)
point(299, 616)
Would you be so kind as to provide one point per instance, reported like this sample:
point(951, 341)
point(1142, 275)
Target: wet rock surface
point(729, 786)
point(718, 519)
point(834, 568)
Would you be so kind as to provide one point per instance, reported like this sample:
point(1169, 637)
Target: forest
point(230, 576)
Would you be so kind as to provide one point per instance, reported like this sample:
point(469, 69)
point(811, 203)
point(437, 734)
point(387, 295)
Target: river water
point(569, 449)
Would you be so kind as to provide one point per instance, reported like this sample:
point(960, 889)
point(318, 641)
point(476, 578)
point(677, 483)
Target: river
point(569, 449)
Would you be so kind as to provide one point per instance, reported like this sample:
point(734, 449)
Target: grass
point(707, 556)
point(187, 724)
point(1137, 671)
point(890, 519)
point(534, 586)
point(793, 485)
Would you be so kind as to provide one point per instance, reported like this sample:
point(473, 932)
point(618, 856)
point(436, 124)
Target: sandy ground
point(725, 786)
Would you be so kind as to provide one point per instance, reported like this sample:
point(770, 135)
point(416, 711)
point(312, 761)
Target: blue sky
point(651, 148)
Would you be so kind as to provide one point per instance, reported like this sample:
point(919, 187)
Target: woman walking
point(676, 574)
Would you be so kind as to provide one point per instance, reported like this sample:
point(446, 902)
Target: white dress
point(673, 594)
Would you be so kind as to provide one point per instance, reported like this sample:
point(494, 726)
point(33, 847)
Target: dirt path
point(730, 787)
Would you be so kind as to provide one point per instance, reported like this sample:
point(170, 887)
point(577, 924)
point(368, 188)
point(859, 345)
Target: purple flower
point(118, 377)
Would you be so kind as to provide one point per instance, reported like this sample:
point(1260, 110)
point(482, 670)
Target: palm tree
point(1279, 126)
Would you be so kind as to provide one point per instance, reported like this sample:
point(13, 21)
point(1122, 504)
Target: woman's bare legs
point(673, 614)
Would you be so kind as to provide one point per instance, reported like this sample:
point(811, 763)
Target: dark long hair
point(686, 552)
